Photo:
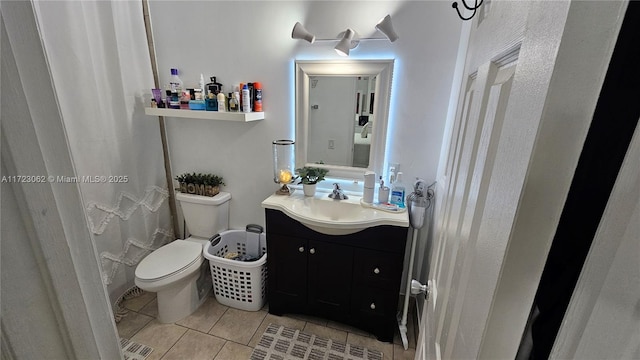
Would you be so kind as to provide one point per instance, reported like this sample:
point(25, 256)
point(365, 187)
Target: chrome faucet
point(337, 193)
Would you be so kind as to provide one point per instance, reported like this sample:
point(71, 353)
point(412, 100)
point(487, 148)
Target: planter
point(309, 189)
point(199, 189)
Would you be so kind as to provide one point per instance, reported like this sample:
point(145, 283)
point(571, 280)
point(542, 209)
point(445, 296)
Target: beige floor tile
point(131, 324)
point(234, 351)
point(194, 345)
point(205, 317)
point(348, 328)
point(326, 332)
point(399, 353)
point(139, 302)
point(151, 308)
point(238, 325)
point(161, 337)
point(278, 320)
point(371, 343)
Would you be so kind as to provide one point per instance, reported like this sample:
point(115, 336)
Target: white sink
point(333, 217)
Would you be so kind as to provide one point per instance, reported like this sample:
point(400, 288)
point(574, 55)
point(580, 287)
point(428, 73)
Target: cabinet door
point(329, 279)
point(287, 283)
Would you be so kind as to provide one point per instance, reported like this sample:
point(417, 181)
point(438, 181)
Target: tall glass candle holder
point(283, 164)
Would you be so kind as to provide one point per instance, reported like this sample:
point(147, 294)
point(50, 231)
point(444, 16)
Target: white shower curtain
point(101, 71)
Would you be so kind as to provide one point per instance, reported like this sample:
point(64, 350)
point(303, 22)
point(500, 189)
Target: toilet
point(178, 272)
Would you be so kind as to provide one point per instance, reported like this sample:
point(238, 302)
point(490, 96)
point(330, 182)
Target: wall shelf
point(208, 115)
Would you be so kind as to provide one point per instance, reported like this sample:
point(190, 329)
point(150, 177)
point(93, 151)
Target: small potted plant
point(309, 178)
point(200, 184)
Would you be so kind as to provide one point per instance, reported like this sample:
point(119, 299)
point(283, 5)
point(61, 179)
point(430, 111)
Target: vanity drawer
point(367, 301)
point(377, 268)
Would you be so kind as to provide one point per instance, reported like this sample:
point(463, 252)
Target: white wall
point(251, 41)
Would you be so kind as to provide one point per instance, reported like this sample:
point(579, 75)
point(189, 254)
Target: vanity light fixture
point(386, 27)
point(346, 43)
point(348, 39)
point(299, 32)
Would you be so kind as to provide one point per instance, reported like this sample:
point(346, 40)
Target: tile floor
point(218, 332)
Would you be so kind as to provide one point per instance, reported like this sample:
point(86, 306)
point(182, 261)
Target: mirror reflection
point(342, 110)
point(341, 119)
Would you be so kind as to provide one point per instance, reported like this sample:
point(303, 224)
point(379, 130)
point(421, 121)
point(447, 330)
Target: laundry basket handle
point(215, 239)
point(255, 228)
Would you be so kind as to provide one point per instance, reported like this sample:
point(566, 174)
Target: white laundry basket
point(239, 284)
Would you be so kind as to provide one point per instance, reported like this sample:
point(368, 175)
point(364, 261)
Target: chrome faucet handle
point(337, 193)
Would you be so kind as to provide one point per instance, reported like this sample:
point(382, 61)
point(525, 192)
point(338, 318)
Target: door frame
point(532, 172)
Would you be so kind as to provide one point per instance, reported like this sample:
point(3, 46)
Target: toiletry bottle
point(383, 192)
point(240, 97)
point(251, 94)
point(257, 103)
point(184, 100)
point(398, 191)
point(233, 103)
point(369, 186)
point(174, 102)
point(246, 107)
point(214, 86)
point(198, 94)
point(202, 88)
point(211, 104)
point(221, 102)
point(175, 82)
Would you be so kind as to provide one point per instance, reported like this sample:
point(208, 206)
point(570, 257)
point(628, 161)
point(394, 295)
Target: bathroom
point(237, 42)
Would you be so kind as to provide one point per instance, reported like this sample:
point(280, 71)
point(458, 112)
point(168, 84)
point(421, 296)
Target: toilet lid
point(168, 260)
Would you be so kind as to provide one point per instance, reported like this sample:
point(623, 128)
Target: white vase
point(309, 189)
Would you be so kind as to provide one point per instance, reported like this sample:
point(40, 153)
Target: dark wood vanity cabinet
point(353, 279)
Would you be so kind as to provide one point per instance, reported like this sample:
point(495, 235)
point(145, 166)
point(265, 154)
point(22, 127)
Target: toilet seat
point(169, 260)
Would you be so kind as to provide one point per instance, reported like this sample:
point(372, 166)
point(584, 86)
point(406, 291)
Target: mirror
point(342, 109)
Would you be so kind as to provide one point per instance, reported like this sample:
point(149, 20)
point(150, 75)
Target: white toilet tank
point(205, 215)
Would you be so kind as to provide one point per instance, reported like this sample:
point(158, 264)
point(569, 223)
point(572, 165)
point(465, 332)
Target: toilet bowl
point(178, 272)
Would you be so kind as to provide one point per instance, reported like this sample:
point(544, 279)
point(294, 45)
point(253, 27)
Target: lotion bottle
point(221, 102)
point(175, 82)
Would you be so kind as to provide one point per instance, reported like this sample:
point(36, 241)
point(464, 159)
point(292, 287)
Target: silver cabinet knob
point(373, 306)
point(301, 249)
point(312, 251)
point(376, 271)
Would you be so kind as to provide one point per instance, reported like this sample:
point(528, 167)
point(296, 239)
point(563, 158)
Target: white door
point(530, 86)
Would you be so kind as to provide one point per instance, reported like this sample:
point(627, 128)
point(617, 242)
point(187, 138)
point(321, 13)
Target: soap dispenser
point(398, 191)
